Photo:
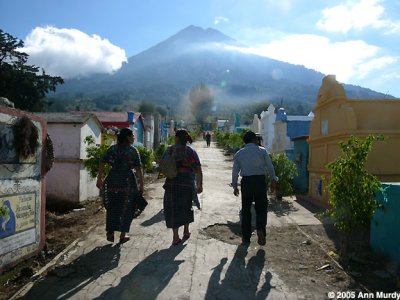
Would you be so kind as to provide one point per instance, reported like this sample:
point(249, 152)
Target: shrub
point(351, 189)
point(94, 153)
point(160, 151)
point(146, 157)
point(194, 134)
point(171, 140)
point(285, 170)
point(235, 142)
point(351, 186)
point(230, 141)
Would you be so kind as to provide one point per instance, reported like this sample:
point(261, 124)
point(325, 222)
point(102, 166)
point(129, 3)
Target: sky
point(356, 40)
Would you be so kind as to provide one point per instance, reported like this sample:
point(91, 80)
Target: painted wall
point(22, 191)
point(336, 118)
point(63, 179)
point(87, 185)
point(139, 133)
point(281, 141)
point(385, 225)
point(137, 126)
point(300, 154)
point(171, 129)
point(148, 120)
point(66, 140)
point(68, 180)
point(256, 125)
point(286, 129)
point(157, 130)
point(267, 128)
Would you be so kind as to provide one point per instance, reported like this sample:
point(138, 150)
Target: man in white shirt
point(251, 162)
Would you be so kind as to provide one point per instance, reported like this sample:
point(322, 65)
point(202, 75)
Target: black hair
point(249, 137)
point(184, 136)
point(122, 136)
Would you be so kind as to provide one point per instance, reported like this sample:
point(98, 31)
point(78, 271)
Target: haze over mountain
point(165, 73)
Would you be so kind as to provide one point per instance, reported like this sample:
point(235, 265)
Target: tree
point(146, 107)
point(257, 108)
point(161, 110)
point(351, 189)
point(201, 102)
point(21, 83)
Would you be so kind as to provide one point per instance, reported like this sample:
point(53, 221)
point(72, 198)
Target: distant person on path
point(120, 186)
point(208, 139)
point(178, 194)
point(251, 162)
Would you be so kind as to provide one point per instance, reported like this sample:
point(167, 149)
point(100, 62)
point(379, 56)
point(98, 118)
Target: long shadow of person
point(240, 280)
point(65, 281)
point(149, 277)
point(154, 219)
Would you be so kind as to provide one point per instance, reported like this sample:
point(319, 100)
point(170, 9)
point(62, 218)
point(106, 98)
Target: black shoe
point(110, 237)
point(261, 238)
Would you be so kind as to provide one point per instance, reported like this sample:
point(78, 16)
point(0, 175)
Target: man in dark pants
point(208, 139)
point(252, 161)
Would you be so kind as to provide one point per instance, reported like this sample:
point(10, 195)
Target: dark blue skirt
point(178, 194)
point(120, 194)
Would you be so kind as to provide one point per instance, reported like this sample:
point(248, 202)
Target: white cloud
point(72, 53)
point(392, 27)
point(391, 75)
point(251, 35)
point(347, 60)
point(375, 64)
point(357, 15)
point(220, 19)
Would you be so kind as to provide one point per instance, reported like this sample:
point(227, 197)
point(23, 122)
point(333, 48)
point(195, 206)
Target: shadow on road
point(159, 217)
point(241, 279)
point(64, 282)
point(280, 207)
point(304, 201)
point(149, 277)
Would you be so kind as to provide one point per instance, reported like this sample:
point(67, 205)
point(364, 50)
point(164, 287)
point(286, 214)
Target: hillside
point(164, 74)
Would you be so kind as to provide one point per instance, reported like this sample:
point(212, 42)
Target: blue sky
point(358, 41)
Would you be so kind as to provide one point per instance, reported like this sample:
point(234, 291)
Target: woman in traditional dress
point(120, 185)
point(178, 209)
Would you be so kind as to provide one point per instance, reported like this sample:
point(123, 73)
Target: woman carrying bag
point(178, 194)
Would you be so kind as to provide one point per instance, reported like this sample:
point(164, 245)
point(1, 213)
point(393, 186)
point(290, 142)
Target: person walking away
point(208, 139)
point(120, 188)
point(251, 162)
point(178, 194)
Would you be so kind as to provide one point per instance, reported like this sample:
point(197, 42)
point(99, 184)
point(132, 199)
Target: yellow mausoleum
point(336, 118)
